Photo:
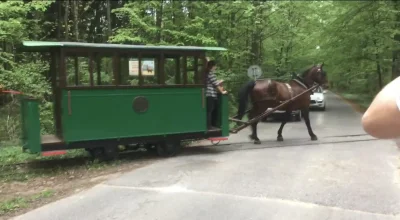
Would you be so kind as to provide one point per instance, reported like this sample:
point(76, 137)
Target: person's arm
point(382, 118)
point(215, 83)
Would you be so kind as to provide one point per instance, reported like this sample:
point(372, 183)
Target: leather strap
point(290, 90)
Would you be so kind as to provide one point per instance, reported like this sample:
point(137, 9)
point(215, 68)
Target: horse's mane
point(303, 74)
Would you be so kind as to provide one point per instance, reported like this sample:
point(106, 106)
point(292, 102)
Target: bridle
point(300, 81)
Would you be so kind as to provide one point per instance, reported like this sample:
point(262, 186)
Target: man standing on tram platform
point(212, 96)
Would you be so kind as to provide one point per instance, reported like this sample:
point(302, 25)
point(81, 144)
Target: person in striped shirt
point(212, 96)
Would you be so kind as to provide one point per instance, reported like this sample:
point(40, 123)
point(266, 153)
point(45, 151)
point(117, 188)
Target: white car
point(318, 99)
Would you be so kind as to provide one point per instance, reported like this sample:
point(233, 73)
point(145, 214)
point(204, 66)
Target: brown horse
point(268, 93)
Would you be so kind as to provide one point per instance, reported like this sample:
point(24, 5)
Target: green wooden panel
point(30, 139)
point(108, 113)
point(224, 115)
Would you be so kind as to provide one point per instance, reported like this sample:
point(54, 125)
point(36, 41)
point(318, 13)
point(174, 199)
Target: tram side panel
point(123, 113)
point(30, 124)
point(224, 115)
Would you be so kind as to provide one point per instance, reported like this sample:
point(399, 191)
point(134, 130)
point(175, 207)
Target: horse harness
point(290, 89)
point(300, 83)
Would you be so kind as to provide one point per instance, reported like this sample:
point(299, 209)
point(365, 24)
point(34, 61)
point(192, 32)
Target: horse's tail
point(243, 98)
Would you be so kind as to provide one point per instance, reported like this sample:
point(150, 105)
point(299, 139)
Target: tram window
point(149, 71)
point(103, 73)
point(77, 71)
point(129, 71)
point(200, 70)
point(173, 71)
point(193, 70)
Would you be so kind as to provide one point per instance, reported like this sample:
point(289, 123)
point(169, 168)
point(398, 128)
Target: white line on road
point(182, 189)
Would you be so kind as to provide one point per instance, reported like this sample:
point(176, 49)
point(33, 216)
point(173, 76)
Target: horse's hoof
point(280, 138)
point(314, 138)
point(257, 142)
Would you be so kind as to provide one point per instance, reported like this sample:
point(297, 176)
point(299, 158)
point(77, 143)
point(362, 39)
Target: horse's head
point(317, 74)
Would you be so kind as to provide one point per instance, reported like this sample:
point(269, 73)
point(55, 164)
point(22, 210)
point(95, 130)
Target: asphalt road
point(344, 175)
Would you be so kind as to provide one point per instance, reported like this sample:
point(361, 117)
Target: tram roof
point(39, 46)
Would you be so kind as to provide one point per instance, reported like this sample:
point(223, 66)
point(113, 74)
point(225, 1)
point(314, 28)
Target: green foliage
point(20, 73)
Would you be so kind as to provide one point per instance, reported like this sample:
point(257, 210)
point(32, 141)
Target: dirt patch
point(18, 197)
point(357, 107)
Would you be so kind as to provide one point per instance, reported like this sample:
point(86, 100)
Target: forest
point(358, 41)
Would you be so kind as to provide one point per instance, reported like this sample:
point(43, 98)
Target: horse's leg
point(286, 118)
point(254, 135)
point(306, 115)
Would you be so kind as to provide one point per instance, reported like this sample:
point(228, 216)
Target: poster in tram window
point(147, 67)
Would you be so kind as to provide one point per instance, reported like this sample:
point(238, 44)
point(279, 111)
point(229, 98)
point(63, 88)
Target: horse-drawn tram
point(107, 95)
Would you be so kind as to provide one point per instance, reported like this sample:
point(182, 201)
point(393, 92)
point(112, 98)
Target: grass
point(23, 201)
point(363, 100)
point(12, 167)
point(14, 154)
point(58, 174)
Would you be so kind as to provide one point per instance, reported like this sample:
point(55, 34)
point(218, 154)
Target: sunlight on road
point(319, 119)
point(173, 189)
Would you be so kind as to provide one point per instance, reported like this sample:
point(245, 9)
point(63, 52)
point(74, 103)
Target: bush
point(30, 79)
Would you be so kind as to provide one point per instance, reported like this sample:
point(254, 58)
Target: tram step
point(50, 139)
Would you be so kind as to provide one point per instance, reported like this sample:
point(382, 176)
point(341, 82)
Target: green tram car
point(107, 95)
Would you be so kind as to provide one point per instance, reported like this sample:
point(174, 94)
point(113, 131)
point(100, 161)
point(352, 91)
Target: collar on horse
point(301, 82)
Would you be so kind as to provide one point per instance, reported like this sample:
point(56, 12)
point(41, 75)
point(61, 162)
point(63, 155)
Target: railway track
point(49, 163)
point(140, 155)
point(65, 163)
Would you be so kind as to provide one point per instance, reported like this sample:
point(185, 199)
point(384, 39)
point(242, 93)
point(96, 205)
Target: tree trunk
point(159, 18)
point(379, 72)
point(109, 30)
point(76, 22)
point(59, 19)
point(396, 53)
point(93, 27)
point(255, 34)
point(173, 3)
point(232, 21)
point(395, 64)
point(66, 17)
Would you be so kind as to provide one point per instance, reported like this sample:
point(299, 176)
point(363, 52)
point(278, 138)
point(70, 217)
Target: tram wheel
point(104, 153)
point(168, 148)
point(110, 153)
point(151, 148)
